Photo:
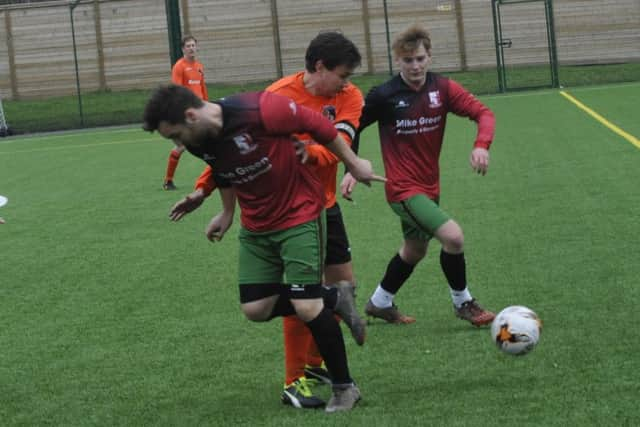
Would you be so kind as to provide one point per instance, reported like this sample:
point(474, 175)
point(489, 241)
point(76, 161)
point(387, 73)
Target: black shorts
point(255, 292)
point(338, 249)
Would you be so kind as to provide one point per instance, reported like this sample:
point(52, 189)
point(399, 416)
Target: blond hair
point(410, 39)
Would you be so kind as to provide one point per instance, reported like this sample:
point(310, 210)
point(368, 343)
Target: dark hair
point(186, 38)
point(411, 39)
point(333, 49)
point(169, 103)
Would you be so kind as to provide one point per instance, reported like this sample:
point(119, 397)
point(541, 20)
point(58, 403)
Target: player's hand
point(186, 205)
point(347, 186)
point(479, 160)
point(301, 149)
point(362, 171)
point(218, 226)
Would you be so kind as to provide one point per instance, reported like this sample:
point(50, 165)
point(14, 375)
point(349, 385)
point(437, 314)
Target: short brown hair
point(333, 49)
point(187, 38)
point(168, 103)
point(410, 39)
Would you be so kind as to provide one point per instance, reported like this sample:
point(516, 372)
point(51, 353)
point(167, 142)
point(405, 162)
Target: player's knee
point(413, 251)
point(454, 243)
point(255, 312)
point(307, 310)
point(451, 237)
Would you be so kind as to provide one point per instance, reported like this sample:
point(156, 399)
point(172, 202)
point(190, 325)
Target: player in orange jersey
point(323, 86)
point(187, 72)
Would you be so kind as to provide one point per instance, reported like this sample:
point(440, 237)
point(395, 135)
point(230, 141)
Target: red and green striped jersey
point(411, 127)
point(255, 155)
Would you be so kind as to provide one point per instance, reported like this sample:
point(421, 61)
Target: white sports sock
point(382, 298)
point(460, 297)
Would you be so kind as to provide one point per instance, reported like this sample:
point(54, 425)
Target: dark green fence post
point(551, 38)
point(386, 29)
point(174, 29)
point(72, 6)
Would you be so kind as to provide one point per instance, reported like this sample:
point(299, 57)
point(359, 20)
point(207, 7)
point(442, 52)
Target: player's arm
point(281, 115)
point(177, 74)
point(205, 184)
point(359, 168)
point(373, 105)
point(346, 122)
point(463, 103)
point(205, 93)
point(322, 131)
point(220, 223)
point(370, 113)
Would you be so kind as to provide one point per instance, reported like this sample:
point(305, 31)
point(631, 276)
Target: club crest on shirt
point(329, 111)
point(245, 144)
point(402, 104)
point(434, 99)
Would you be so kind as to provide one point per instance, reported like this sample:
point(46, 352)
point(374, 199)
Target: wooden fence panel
point(123, 44)
point(235, 39)
point(597, 31)
point(135, 44)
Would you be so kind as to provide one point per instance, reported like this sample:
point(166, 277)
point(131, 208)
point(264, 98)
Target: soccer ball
point(516, 330)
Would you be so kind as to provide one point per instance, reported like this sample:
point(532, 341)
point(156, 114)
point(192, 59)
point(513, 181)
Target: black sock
point(397, 273)
point(454, 269)
point(330, 296)
point(328, 336)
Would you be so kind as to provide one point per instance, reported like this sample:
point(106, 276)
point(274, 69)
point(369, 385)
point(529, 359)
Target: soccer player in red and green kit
point(411, 110)
point(246, 139)
point(324, 87)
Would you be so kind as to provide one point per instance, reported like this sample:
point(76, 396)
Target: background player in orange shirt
point(323, 86)
point(187, 72)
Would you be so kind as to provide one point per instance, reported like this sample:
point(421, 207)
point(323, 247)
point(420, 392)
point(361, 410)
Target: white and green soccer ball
point(516, 330)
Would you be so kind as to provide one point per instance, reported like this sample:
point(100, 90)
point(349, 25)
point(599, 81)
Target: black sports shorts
point(338, 249)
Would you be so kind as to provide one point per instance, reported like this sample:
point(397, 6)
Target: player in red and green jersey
point(187, 72)
point(246, 139)
point(411, 110)
point(324, 87)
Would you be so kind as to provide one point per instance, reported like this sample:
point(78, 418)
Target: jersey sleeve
point(177, 73)
point(373, 105)
point(205, 93)
point(346, 123)
point(280, 115)
point(463, 103)
point(206, 181)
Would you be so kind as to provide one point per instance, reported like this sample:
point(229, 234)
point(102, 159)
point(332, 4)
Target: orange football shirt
point(343, 110)
point(190, 74)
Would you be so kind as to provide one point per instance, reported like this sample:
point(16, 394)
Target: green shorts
point(420, 216)
point(294, 256)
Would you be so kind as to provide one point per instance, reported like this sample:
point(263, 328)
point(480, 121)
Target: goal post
point(510, 49)
point(4, 127)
